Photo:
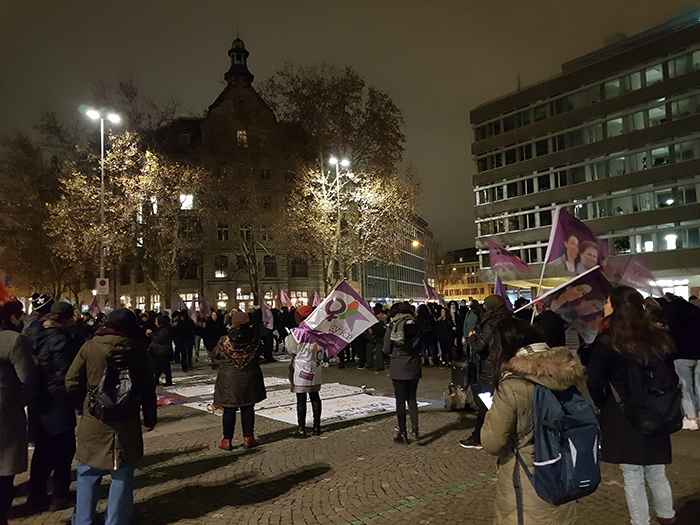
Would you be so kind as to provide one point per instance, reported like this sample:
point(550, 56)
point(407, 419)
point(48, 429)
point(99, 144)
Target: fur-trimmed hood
point(554, 368)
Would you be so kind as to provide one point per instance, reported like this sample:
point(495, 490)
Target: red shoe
point(225, 444)
point(249, 442)
point(666, 521)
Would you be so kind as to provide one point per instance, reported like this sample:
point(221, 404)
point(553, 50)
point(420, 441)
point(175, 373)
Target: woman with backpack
point(629, 340)
point(401, 343)
point(518, 349)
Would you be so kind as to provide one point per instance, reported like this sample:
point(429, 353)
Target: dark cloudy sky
point(437, 59)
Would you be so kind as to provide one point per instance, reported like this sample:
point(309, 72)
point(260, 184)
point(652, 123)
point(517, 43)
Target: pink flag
point(500, 289)
point(317, 300)
point(338, 320)
point(266, 312)
point(94, 307)
point(284, 299)
point(573, 246)
point(204, 310)
point(183, 305)
point(502, 258)
point(638, 276)
point(192, 311)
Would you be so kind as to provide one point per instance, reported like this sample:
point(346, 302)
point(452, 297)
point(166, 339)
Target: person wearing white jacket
point(305, 375)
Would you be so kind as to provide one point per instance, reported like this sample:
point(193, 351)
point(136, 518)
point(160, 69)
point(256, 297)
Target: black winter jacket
point(162, 341)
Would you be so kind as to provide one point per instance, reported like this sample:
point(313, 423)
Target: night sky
point(436, 59)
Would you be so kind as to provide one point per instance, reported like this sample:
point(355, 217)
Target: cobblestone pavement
point(352, 474)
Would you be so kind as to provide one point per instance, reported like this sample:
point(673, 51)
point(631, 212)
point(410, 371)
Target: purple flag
point(638, 276)
point(430, 293)
point(338, 320)
point(573, 246)
point(500, 289)
point(204, 310)
point(183, 305)
point(192, 311)
point(317, 300)
point(502, 258)
point(284, 299)
point(94, 307)
point(268, 321)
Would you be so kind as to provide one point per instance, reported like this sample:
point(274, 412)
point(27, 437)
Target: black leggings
point(52, 454)
point(7, 491)
point(247, 420)
point(405, 392)
point(315, 407)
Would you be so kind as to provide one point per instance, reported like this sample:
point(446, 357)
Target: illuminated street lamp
point(114, 118)
point(415, 243)
point(337, 163)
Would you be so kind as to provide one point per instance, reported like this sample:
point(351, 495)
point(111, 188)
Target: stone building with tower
point(240, 134)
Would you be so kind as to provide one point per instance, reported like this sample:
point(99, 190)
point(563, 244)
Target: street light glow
point(345, 163)
point(415, 243)
point(93, 114)
point(333, 161)
point(113, 117)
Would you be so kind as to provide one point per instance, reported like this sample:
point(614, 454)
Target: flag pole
point(555, 223)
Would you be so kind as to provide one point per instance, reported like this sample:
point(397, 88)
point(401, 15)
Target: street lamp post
point(337, 163)
point(112, 117)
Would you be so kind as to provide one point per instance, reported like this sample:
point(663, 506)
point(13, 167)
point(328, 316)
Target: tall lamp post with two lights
point(338, 163)
point(114, 118)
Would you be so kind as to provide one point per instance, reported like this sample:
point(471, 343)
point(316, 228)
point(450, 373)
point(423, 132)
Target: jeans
point(247, 420)
point(637, 496)
point(315, 408)
point(379, 355)
point(197, 344)
point(51, 454)
point(689, 373)
point(405, 392)
point(121, 495)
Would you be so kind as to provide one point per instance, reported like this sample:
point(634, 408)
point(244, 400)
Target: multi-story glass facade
point(614, 139)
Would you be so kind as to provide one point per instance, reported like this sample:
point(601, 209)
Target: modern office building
point(615, 140)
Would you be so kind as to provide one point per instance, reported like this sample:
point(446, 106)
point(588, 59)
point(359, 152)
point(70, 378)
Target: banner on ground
point(573, 246)
point(580, 302)
point(501, 258)
point(338, 320)
point(500, 289)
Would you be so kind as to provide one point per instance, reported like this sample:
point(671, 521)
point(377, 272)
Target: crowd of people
point(57, 362)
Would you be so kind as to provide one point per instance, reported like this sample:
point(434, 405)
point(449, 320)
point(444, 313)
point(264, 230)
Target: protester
point(239, 383)
point(17, 372)
point(52, 418)
point(683, 320)
point(446, 333)
point(519, 349)
point(402, 344)
point(630, 335)
point(161, 349)
point(495, 310)
point(375, 337)
point(41, 306)
point(111, 447)
point(183, 335)
point(305, 375)
point(428, 336)
point(214, 330)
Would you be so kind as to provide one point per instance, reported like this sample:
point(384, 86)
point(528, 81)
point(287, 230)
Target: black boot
point(401, 438)
point(300, 432)
point(317, 428)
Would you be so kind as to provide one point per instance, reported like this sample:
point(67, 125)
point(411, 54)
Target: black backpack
point(653, 404)
point(114, 398)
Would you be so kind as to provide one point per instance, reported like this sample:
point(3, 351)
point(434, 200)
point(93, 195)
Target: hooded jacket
point(110, 445)
point(405, 357)
point(495, 310)
point(511, 419)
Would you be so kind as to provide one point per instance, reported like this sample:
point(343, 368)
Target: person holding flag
point(305, 374)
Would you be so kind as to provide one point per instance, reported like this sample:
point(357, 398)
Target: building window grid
point(607, 86)
point(591, 166)
point(593, 130)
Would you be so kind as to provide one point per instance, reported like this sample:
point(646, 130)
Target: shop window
point(155, 303)
point(222, 300)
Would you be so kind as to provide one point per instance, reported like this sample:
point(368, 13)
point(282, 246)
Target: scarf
point(238, 354)
point(534, 348)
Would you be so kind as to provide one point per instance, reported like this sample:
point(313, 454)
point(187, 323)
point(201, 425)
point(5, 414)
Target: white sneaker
point(690, 424)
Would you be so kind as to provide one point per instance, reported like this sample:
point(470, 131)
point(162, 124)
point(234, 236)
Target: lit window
point(154, 204)
point(221, 267)
point(242, 138)
point(186, 202)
